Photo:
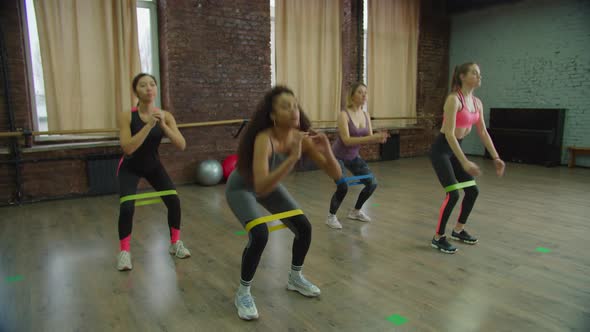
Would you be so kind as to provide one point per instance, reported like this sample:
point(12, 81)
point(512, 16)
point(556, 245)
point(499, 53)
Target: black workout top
point(146, 156)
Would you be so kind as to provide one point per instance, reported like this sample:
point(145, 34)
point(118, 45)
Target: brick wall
point(350, 46)
point(432, 80)
point(531, 54)
point(7, 183)
point(433, 62)
point(214, 65)
point(18, 88)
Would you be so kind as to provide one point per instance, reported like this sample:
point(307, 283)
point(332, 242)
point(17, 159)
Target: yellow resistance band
point(140, 199)
point(460, 185)
point(272, 217)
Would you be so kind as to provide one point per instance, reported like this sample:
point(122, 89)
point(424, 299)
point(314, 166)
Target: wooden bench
point(576, 151)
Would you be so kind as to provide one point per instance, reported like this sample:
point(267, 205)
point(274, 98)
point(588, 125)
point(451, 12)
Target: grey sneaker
point(333, 222)
point(246, 306)
point(358, 215)
point(302, 285)
point(179, 250)
point(124, 261)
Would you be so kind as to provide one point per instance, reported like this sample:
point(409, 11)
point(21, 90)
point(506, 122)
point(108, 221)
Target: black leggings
point(258, 237)
point(159, 179)
point(356, 166)
point(449, 172)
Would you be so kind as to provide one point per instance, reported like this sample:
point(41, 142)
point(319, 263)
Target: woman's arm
point(131, 143)
point(384, 134)
point(485, 138)
point(345, 134)
point(264, 181)
point(170, 129)
point(318, 148)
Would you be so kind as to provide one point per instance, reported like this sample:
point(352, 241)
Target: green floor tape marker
point(240, 233)
point(14, 279)
point(544, 250)
point(375, 204)
point(397, 319)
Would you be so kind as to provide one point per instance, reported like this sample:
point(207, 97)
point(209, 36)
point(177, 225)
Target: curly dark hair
point(260, 121)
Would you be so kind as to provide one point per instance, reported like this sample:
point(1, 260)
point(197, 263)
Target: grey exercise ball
point(209, 172)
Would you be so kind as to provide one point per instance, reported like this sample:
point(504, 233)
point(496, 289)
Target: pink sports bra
point(465, 118)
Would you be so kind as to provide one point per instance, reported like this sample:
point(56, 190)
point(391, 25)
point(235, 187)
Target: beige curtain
point(90, 53)
point(308, 54)
point(392, 59)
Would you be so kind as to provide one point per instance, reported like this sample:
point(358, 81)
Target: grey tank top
point(276, 159)
point(236, 181)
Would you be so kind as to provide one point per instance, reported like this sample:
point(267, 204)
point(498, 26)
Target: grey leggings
point(246, 207)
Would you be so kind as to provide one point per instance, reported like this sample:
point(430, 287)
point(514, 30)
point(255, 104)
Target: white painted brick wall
point(534, 53)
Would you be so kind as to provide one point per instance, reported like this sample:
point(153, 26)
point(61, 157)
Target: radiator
point(102, 174)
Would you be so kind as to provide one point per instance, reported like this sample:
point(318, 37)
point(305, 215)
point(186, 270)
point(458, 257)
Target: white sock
point(295, 271)
point(242, 290)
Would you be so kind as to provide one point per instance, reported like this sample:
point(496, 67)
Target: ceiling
point(460, 6)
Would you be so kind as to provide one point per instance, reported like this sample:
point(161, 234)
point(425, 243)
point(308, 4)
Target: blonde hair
point(460, 70)
point(351, 92)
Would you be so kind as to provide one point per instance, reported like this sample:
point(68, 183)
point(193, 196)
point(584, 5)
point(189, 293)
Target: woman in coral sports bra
point(461, 111)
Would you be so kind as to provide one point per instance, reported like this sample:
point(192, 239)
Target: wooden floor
point(58, 260)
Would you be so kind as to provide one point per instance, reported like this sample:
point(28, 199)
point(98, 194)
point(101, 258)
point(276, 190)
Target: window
point(365, 53)
point(273, 69)
point(39, 111)
point(147, 27)
point(147, 34)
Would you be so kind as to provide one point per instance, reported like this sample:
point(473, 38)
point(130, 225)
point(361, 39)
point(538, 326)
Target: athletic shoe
point(464, 236)
point(443, 245)
point(179, 250)
point(333, 222)
point(124, 261)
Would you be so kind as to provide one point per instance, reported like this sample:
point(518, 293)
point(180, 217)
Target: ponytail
point(460, 70)
point(456, 80)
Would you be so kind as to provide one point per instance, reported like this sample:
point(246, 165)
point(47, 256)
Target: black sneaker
point(443, 245)
point(463, 236)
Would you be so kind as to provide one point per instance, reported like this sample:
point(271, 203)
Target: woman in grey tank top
point(274, 140)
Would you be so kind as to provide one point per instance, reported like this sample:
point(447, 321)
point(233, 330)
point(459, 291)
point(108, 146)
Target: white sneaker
point(302, 285)
point(179, 250)
point(358, 215)
point(333, 222)
point(246, 306)
point(124, 261)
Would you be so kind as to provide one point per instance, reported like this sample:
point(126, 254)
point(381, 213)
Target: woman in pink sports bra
point(462, 110)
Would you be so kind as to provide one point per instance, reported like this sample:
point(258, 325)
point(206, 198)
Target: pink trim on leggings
point(125, 244)
point(442, 211)
point(120, 163)
point(174, 235)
